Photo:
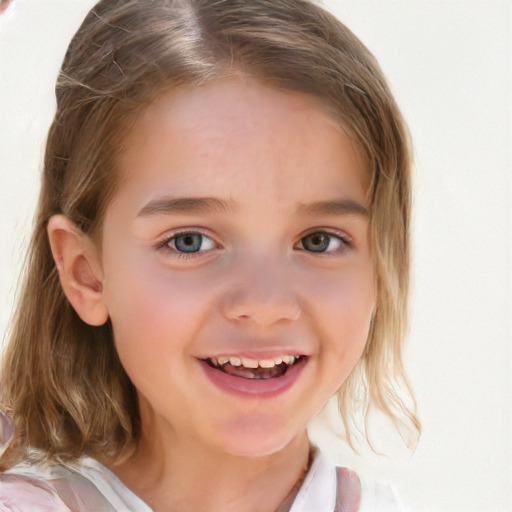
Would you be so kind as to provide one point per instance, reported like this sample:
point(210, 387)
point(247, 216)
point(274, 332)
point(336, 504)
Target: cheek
point(347, 295)
point(148, 304)
point(344, 304)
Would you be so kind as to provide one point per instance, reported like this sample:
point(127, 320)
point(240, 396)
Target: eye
point(190, 242)
point(322, 242)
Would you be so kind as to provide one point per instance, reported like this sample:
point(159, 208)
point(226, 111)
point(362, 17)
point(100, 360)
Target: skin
point(265, 156)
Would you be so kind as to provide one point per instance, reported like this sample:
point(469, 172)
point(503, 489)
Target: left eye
point(321, 242)
point(190, 242)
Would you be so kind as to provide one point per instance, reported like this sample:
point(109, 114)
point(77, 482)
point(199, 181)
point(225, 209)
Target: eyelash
point(345, 243)
point(165, 244)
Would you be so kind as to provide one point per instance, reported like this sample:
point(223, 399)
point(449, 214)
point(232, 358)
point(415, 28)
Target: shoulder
point(378, 496)
point(20, 492)
point(328, 488)
point(48, 489)
point(359, 493)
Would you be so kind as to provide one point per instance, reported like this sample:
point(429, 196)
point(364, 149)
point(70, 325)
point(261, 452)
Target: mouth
point(255, 369)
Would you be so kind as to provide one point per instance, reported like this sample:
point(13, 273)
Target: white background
point(449, 64)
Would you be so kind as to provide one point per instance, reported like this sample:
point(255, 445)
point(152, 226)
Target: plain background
point(449, 65)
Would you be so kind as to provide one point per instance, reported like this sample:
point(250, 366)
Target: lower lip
point(260, 387)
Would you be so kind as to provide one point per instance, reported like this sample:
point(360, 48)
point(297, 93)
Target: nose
point(263, 293)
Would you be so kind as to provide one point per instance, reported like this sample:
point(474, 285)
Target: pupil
point(318, 242)
point(188, 243)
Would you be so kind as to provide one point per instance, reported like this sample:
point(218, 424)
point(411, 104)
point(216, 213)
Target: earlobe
point(78, 263)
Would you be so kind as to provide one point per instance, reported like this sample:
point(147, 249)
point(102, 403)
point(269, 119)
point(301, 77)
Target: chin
point(258, 438)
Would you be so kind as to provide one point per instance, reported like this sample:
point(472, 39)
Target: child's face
point(239, 231)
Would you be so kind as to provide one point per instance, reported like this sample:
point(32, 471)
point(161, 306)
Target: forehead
point(234, 135)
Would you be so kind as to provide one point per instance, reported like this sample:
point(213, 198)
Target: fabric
point(89, 486)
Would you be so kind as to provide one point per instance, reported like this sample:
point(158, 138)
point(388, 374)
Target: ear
point(79, 265)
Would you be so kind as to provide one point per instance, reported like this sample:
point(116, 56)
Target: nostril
point(264, 314)
point(263, 298)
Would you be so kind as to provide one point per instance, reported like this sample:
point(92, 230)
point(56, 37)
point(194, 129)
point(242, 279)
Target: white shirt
point(88, 486)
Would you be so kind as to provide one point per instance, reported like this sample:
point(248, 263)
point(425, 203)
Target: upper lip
point(256, 354)
point(254, 363)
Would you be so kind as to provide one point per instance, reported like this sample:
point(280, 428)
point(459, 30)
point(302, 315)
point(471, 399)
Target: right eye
point(190, 242)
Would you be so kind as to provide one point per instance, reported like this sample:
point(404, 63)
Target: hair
point(61, 377)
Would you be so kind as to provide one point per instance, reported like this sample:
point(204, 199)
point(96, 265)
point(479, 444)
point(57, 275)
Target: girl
point(221, 245)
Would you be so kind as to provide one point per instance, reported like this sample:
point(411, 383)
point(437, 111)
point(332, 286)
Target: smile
point(254, 368)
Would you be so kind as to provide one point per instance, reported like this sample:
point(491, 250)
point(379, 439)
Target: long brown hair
point(61, 377)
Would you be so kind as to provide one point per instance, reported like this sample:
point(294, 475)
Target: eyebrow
point(173, 205)
point(333, 207)
point(170, 205)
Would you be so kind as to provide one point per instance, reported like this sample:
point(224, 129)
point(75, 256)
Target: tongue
point(254, 373)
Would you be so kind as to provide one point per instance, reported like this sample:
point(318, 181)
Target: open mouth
point(254, 368)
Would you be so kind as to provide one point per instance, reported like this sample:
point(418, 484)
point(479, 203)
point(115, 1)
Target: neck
point(171, 474)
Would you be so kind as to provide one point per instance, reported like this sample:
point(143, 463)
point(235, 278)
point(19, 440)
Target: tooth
point(249, 363)
point(253, 363)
